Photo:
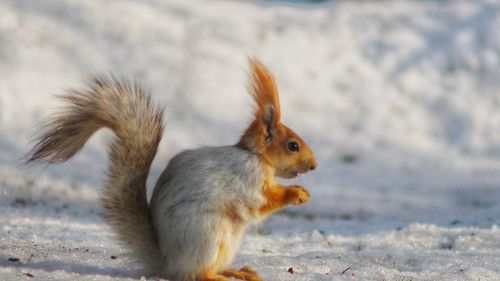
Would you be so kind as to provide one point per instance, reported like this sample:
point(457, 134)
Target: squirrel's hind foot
point(244, 273)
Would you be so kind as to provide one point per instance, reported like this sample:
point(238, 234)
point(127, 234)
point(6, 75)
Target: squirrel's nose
point(313, 165)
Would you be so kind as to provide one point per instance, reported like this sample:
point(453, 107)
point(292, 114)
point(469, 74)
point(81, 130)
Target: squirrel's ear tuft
point(265, 93)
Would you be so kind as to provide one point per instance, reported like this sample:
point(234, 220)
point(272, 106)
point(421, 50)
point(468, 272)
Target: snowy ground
point(399, 99)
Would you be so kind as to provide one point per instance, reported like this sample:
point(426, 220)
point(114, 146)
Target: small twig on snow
point(345, 270)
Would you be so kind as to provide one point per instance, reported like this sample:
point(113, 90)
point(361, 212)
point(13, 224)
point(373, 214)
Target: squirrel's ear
point(265, 93)
point(269, 120)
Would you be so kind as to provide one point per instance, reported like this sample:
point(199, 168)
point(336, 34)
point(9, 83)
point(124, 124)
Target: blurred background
point(398, 99)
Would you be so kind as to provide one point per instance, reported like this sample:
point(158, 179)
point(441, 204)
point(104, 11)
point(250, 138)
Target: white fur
point(190, 204)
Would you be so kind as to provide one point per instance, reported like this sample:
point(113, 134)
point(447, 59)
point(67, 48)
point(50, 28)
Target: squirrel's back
point(193, 173)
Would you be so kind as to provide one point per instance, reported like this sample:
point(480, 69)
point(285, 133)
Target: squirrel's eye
point(293, 146)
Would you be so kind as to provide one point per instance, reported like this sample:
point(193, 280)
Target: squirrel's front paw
point(297, 195)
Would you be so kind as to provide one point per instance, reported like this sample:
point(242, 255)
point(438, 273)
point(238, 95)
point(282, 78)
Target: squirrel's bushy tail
point(137, 123)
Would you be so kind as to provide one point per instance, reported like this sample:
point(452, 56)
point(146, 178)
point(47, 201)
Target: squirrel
point(205, 198)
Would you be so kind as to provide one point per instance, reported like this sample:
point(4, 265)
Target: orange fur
point(278, 196)
point(285, 163)
point(263, 88)
point(216, 278)
point(212, 278)
point(243, 273)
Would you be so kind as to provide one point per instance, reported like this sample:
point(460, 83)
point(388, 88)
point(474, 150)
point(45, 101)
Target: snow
point(398, 99)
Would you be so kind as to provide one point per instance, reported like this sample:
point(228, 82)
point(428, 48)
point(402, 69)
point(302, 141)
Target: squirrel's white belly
point(202, 206)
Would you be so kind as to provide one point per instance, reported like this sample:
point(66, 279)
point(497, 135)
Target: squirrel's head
point(275, 144)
